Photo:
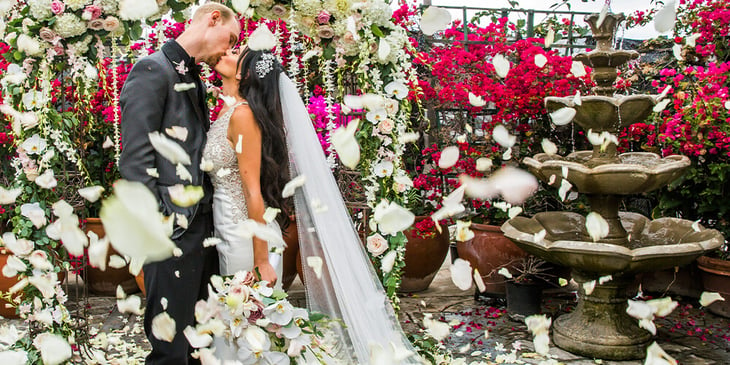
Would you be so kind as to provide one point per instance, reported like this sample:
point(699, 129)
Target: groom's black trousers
point(182, 281)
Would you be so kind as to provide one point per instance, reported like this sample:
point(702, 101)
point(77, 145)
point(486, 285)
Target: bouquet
point(253, 323)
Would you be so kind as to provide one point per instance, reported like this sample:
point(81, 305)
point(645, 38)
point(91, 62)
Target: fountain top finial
point(603, 32)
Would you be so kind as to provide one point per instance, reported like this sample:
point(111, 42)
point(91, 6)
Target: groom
point(151, 102)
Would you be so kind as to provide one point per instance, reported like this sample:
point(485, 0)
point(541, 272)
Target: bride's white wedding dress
point(235, 250)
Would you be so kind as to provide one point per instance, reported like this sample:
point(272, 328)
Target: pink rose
point(48, 35)
point(377, 244)
point(57, 7)
point(94, 11)
point(385, 126)
point(323, 17)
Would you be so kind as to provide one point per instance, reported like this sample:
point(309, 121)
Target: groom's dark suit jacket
point(150, 103)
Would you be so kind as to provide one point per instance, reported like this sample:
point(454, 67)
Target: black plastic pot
point(523, 299)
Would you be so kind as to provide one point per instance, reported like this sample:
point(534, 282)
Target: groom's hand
point(266, 272)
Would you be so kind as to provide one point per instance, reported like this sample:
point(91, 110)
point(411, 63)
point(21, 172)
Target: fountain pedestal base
point(599, 327)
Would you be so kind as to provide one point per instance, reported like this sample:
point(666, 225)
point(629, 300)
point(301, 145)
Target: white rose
point(385, 126)
point(377, 244)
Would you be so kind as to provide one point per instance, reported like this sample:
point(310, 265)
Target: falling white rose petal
point(576, 98)
point(181, 220)
point(540, 60)
point(461, 274)
point(46, 180)
point(292, 185)
point(184, 86)
point(185, 195)
point(133, 223)
point(413, 137)
point(483, 164)
point(596, 226)
point(183, 173)
point(211, 241)
point(539, 236)
point(505, 272)
point(588, 286)
point(34, 213)
point(386, 264)
point(434, 20)
point(345, 144)
point(228, 100)
point(108, 143)
point(54, 348)
point(315, 262)
point(655, 355)
point(383, 50)
point(664, 18)
point(501, 135)
point(727, 105)
point(604, 279)
point(197, 340)
point(270, 214)
point(708, 298)
point(206, 165)
point(153, 172)
point(163, 327)
point(549, 147)
point(501, 65)
point(393, 218)
point(479, 281)
point(661, 105)
point(677, 52)
point(463, 233)
point(563, 116)
point(539, 326)
point(177, 132)
point(8, 196)
point(239, 144)
point(261, 39)
point(169, 149)
point(117, 262)
point(91, 193)
point(514, 211)
point(565, 186)
point(223, 172)
point(131, 304)
point(98, 249)
point(562, 281)
point(578, 69)
point(436, 329)
point(476, 101)
point(602, 15)
point(449, 157)
point(549, 38)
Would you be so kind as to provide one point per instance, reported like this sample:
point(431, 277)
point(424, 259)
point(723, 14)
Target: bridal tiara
point(265, 64)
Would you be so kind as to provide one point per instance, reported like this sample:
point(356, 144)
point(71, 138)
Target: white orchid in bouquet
point(260, 323)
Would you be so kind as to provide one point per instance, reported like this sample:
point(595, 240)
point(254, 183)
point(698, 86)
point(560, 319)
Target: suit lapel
point(186, 77)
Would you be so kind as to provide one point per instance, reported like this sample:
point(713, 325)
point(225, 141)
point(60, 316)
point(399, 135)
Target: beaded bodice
point(225, 174)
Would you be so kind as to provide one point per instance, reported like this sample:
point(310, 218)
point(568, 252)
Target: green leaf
point(376, 30)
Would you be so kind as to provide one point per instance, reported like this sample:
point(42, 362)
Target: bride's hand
point(266, 272)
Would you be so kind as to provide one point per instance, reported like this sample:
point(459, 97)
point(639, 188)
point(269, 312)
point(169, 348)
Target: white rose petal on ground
point(169, 149)
point(665, 18)
point(449, 157)
point(133, 223)
point(163, 327)
point(54, 348)
point(386, 264)
point(708, 298)
point(501, 65)
point(596, 226)
point(315, 262)
point(434, 20)
point(461, 274)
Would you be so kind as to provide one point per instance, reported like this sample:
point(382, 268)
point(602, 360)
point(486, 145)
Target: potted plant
point(525, 280)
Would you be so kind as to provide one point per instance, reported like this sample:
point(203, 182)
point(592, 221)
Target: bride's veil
point(348, 287)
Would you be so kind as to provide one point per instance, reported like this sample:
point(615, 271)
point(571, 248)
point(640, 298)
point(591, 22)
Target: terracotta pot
point(106, 282)
point(423, 258)
point(5, 285)
point(290, 258)
point(489, 251)
point(139, 278)
point(716, 278)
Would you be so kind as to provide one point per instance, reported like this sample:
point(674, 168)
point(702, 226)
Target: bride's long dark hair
point(262, 95)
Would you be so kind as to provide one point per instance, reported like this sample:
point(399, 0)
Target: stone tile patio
point(481, 331)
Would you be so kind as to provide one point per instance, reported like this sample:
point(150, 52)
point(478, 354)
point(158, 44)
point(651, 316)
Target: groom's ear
point(215, 17)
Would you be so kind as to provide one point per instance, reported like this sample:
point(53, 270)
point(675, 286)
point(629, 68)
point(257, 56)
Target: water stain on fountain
point(599, 326)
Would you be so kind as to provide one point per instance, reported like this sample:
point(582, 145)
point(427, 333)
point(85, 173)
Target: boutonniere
point(181, 68)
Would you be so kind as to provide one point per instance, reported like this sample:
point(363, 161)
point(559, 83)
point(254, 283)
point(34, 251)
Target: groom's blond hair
point(226, 13)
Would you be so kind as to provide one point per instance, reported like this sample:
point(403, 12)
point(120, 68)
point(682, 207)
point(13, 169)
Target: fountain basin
point(605, 113)
point(653, 244)
point(599, 58)
point(635, 172)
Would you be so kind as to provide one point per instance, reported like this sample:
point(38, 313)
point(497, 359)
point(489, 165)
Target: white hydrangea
point(340, 9)
point(307, 8)
point(69, 25)
point(378, 13)
point(109, 6)
point(40, 9)
point(76, 4)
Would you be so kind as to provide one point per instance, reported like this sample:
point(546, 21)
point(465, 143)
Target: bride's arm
point(249, 164)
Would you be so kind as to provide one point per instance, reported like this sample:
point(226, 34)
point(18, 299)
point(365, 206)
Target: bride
point(261, 140)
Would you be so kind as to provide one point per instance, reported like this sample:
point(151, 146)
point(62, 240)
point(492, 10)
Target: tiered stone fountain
point(599, 326)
